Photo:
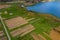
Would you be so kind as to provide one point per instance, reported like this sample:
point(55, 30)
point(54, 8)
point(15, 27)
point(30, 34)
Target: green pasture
point(40, 23)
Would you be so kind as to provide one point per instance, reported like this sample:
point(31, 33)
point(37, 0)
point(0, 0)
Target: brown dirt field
point(54, 35)
point(21, 30)
point(41, 37)
point(15, 22)
point(35, 37)
point(1, 33)
point(4, 6)
point(28, 31)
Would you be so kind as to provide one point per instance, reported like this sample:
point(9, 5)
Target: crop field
point(42, 24)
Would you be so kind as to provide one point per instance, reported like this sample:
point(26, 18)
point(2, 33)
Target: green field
point(42, 24)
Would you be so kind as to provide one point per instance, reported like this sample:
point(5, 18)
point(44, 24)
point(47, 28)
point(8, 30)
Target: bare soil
point(21, 30)
point(28, 31)
point(54, 35)
point(4, 6)
point(15, 22)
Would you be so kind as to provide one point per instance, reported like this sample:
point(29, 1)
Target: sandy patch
point(54, 35)
point(15, 22)
point(4, 6)
point(21, 30)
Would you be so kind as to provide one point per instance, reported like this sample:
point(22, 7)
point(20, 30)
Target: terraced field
point(42, 24)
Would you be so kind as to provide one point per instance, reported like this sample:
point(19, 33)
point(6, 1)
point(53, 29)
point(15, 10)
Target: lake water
point(52, 8)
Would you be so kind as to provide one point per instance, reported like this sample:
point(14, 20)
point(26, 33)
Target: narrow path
point(9, 38)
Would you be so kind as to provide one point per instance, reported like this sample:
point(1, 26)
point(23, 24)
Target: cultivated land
point(15, 22)
point(22, 30)
point(55, 35)
point(4, 6)
point(23, 25)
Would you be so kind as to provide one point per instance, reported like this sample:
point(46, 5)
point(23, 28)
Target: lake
point(52, 8)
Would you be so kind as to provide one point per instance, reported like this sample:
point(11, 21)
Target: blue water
point(52, 8)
